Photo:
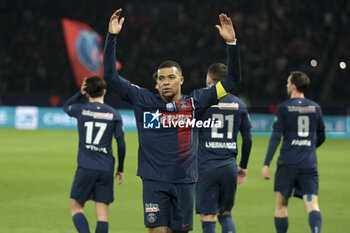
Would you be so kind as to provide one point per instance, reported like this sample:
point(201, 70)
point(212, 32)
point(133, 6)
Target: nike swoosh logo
point(185, 225)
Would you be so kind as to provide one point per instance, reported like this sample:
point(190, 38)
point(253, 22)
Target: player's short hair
point(154, 76)
point(170, 63)
point(217, 71)
point(95, 86)
point(300, 80)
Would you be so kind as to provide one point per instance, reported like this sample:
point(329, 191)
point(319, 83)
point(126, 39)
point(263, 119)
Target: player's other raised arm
point(77, 98)
point(110, 73)
point(234, 76)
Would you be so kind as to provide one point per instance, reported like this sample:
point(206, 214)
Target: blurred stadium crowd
point(276, 37)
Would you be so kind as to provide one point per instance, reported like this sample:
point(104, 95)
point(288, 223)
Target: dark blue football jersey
point(217, 146)
point(97, 123)
point(167, 139)
point(298, 120)
point(166, 131)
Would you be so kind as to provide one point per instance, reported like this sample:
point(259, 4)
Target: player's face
point(169, 81)
point(289, 86)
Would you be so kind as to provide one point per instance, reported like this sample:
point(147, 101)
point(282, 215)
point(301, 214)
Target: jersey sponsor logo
point(97, 115)
point(228, 106)
point(221, 145)
point(95, 148)
point(304, 109)
point(151, 217)
point(183, 105)
point(149, 207)
point(296, 142)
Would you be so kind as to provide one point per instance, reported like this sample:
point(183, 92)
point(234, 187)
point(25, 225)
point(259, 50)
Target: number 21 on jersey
point(220, 117)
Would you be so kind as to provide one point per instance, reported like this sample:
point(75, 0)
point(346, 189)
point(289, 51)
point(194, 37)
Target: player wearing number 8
point(300, 122)
point(97, 124)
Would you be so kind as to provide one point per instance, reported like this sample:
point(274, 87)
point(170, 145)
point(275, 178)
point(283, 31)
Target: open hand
point(226, 29)
point(115, 25)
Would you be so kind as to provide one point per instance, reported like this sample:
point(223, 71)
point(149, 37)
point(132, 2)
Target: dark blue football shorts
point(94, 185)
point(168, 204)
point(216, 189)
point(301, 180)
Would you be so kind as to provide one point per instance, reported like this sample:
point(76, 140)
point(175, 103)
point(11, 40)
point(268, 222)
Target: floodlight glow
point(342, 65)
point(313, 63)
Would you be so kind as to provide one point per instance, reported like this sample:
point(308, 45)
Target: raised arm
point(77, 98)
point(123, 87)
point(234, 76)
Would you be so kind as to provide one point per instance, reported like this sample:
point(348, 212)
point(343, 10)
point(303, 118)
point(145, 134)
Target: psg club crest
point(151, 217)
point(183, 105)
point(88, 50)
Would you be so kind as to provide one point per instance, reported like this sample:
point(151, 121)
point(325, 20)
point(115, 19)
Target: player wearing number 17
point(300, 122)
point(97, 123)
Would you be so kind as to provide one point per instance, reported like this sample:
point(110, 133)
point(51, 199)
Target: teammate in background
point(97, 123)
point(167, 160)
point(217, 151)
point(300, 122)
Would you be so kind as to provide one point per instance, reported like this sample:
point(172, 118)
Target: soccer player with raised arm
point(300, 122)
point(97, 123)
point(167, 161)
point(217, 151)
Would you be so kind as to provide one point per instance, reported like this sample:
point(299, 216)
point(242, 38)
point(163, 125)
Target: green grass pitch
point(37, 169)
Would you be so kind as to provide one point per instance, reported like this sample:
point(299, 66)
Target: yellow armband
point(220, 91)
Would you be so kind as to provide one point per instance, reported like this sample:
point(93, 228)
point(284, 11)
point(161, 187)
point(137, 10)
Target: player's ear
point(209, 81)
point(182, 80)
point(104, 92)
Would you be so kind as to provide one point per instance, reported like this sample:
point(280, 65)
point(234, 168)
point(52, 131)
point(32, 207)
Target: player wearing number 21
point(300, 122)
point(97, 123)
point(218, 172)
